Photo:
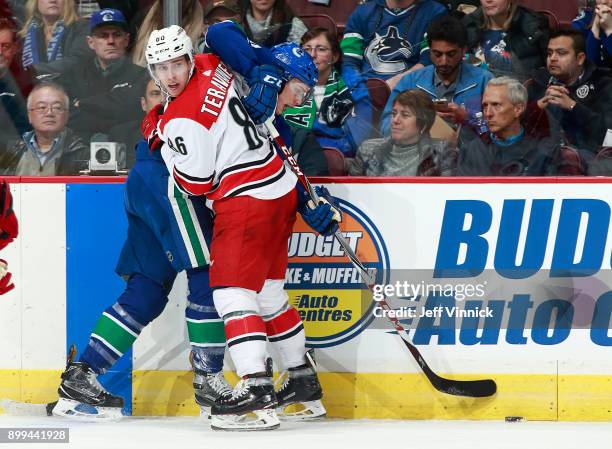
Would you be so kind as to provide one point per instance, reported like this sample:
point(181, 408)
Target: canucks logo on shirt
point(389, 53)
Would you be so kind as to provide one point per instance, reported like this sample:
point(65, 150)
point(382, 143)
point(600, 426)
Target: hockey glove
point(324, 217)
point(265, 82)
point(5, 279)
point(335, 109)
point(9, 228)
point(148, 127)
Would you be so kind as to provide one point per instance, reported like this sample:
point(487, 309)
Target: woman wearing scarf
point(53, 36)
point(410, 151)
point(335, 118)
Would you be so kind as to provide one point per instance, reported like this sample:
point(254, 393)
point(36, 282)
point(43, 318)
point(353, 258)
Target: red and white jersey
point(211, 145)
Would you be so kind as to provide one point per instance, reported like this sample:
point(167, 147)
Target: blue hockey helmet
point(296, 63)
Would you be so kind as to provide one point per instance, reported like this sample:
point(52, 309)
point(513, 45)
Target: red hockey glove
point(8, 221)
point(148, 127)
point(5, 279)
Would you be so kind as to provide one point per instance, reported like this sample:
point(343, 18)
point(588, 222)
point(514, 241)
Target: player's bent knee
point(143, 299)
point(272, 297)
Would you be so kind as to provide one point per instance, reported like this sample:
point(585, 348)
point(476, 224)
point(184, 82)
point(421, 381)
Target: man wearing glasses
point(105, 89)
point(51, 148)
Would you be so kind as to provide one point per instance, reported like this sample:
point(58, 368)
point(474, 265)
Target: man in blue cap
point(105, 89)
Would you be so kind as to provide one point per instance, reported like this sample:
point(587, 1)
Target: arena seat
point(319, 20)
point(335, 161)
point(553, 21)
point(379, 94)
point(338, 10)
point(565, 10)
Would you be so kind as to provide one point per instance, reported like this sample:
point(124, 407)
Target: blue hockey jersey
point(382, 42)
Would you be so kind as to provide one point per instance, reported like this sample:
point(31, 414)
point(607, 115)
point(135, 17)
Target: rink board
point(63, 264)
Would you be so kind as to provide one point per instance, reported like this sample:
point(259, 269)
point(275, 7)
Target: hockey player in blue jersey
point(168, 232)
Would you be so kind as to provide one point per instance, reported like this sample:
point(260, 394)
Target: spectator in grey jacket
point(51, 148)
point(507, 150)
point(410, 151)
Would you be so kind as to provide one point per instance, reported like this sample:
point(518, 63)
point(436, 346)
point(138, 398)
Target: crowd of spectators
point(469, 87)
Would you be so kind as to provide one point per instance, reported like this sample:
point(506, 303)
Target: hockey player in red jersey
point(212, 148)
point(8, 232)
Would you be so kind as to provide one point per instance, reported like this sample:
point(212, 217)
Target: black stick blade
point(469, 388)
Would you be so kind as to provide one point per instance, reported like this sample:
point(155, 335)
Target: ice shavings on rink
point(183, 432)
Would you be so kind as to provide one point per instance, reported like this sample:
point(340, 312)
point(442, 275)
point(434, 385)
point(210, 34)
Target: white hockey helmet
point(168, 43)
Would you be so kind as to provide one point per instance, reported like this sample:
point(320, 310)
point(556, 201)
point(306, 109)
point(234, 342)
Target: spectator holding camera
point(329, 115)
point(507, 150)
point(51, 148)
point(452, 83)
point(53, 36)
point(106, 89)
point(510, 39)
point(409, 151)
point(574, 93)
point(596, 25)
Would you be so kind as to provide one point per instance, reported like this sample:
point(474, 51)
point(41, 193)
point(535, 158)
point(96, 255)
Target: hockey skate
point(82, 397)
point(299, 397)
point(209, 388)
point(251, 406)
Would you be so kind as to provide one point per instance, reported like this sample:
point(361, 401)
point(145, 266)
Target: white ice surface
point(188, 433)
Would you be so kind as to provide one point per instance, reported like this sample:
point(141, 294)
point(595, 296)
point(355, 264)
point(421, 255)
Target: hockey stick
point(470, 388)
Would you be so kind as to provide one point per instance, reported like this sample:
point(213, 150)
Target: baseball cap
point(108, 17)
point(230, 5)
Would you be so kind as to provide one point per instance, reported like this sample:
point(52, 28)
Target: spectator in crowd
point(449, 78)
point(409, 151)
point(575, 94)
point(54, 38)
point(13, 10)
point(386, 39)
point(508, 38)
point(192, 22)
point(105, 90)
point(15, 84)
point(86, 8)
point(596, 25)
point(51, 148)
point(271, 22)
point(220, 10)
point(330, 113)
point(129, 132)
point(507, 150)
point(459, 8)
point(10, 54)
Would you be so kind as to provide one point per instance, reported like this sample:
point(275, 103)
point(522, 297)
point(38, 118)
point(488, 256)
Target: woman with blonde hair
point(53, 36)
point(192, 22)
point(510, 39)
